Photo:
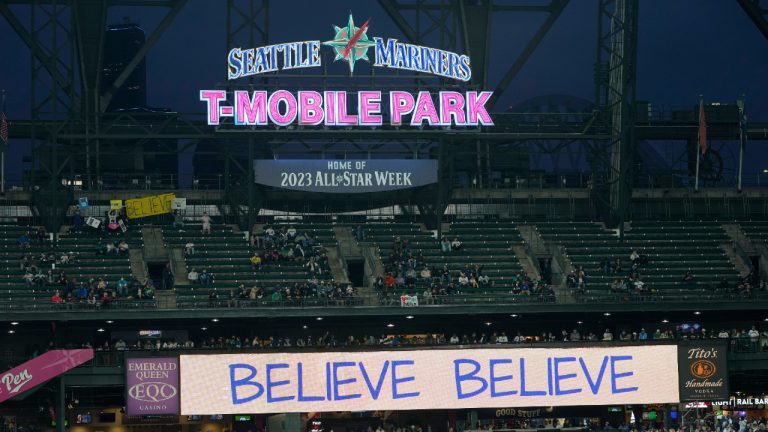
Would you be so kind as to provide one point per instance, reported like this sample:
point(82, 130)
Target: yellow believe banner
point(149, 206)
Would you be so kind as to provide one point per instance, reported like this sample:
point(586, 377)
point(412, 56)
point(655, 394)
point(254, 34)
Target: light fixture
point(765, 171)
point(100, 330)
point(765, 319)
point(513, 315)
point(488, 323)
point(11, 331)
point(665, 321)
point(390, 325)
point(14, 323)
point(215, 320)
point(579, 322)
point(319, 318)
point(110, 322)
point(697, 313)
point(203, 328)
point(304, 327)
point(409, 317)
point(607, 314)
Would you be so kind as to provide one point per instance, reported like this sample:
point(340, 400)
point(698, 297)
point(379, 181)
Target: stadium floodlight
point(488, 323)
point(579, 322)
point(203, 328)
point(665, 320)
point(697, 313)
point(319, 318)
point(11, 331)
point(304, 327)
point(110, 322)
point(765, 171)
point(607, 314)
point(409, 317)
point(513, 315)
point(390, 325)
point(100, 330)
point(215, 320)
point(14, 323)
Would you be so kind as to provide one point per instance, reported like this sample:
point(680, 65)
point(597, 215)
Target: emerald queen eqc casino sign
point(350, 44)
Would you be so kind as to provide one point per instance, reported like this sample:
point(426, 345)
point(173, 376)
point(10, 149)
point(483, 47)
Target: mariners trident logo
point(351, 43)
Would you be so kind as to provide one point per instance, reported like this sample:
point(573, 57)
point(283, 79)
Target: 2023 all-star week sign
point(345, 176)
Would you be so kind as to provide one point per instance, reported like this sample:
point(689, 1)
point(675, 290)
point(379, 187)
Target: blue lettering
point(384, 53)
point(235, 383)
point(328, 393)
point(271, 384)
point(235, 63)
point(594, 385)
point(375, 391)
point(523, 391)
point(396, 380)
point(615, 376)
point(338, 383)
point(471, 376)
point(300, 379)
point(494, 379)
point(558, 377)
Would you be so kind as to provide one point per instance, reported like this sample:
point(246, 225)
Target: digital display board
point(427, 379)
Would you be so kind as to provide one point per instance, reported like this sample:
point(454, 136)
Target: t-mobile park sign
point(350, 44)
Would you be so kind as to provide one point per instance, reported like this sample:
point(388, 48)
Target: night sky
point(686, 48)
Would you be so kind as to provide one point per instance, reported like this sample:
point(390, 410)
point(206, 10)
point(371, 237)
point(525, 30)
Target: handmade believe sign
point(427, 379)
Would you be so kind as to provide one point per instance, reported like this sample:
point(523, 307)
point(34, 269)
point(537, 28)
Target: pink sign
point(39, 370)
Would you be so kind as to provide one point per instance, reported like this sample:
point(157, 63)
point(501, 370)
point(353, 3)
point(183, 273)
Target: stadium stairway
point(336, 264)
point(138, 265)
point(526, 261)
point(154, 245)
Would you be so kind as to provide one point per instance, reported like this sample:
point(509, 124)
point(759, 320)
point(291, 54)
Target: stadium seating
point(757, 231)
point(484, 243)
point(16, 294)
point(225, 253)
point(673, 248)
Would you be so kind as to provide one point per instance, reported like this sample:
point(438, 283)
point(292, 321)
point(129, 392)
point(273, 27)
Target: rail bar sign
point(367, 107)
point(345, 176)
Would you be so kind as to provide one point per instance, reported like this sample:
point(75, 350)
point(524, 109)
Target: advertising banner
point(703, 371)
point(427, 379)
point(149, 206)
point(152, 385)
point(39, 370)
point(345, 176)
point(115, 204)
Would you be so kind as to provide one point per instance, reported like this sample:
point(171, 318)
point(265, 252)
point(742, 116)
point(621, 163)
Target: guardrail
point(113, 357)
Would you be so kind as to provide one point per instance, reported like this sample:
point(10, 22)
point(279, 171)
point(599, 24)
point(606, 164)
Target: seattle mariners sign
point(350, 44)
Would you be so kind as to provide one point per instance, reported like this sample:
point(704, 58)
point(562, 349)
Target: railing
point(670, 296)
point(120, 304)
point(200, 303)
point(113, 357)
point(479, 298)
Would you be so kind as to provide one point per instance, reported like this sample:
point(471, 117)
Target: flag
point(702, 129)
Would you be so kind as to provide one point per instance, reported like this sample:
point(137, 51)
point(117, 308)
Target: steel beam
point(555, 9)
point(758, 13)
point(106, 98)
